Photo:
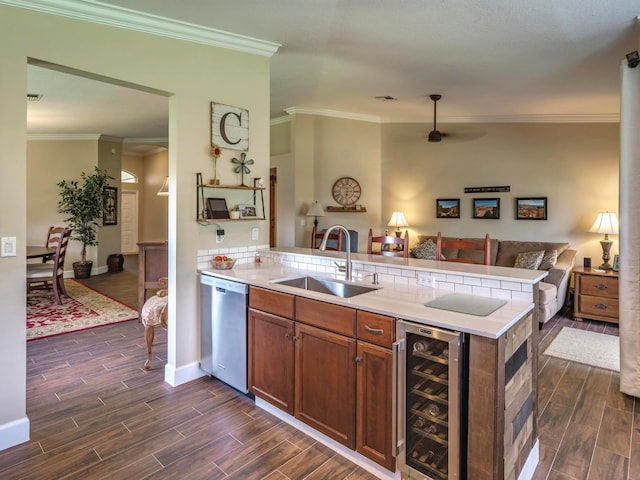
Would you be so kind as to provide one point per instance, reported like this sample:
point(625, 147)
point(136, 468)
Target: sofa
point(558, 259)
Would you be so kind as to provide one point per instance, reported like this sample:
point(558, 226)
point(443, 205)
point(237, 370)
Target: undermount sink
point(323, 285)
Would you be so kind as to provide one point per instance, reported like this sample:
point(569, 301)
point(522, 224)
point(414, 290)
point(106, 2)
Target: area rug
point(85, 309)
point(590, 348)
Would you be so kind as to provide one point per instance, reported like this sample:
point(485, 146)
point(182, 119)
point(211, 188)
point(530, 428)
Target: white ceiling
point(492, 60)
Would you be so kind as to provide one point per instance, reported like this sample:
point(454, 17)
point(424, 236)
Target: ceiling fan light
point(435, 136)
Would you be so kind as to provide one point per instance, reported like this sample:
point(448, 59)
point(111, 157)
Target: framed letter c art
point(229, 127)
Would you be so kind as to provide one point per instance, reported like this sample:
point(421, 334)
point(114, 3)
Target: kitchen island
point(500, 422)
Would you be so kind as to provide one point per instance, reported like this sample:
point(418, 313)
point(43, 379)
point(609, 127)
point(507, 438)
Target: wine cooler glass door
point(431, 402)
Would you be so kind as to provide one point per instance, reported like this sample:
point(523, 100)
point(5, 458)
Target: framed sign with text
point(229, 127)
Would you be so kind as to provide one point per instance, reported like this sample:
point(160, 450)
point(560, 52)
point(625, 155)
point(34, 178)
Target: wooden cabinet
point(595, 295)
point(374, 394)
point(271, 359)
point(328, 365)
point(325, 379)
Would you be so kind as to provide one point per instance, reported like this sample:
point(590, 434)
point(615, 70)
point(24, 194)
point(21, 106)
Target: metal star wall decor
point(242, 166)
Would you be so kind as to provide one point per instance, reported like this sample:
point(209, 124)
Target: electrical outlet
point(426, 280)
point(219, 236)
point(254, 233)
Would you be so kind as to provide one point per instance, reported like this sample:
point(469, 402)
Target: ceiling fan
point(435, 135)
point(456, 133)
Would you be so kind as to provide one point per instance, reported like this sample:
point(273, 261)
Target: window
point(128, 177)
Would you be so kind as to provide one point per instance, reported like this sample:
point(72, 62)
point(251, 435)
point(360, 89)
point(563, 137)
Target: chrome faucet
point(323, 247)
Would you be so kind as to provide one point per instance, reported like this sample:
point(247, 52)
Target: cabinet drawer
point(376, 328)
point(607, 307)
point(599, 286)
point(328, 316)
point(269, 301)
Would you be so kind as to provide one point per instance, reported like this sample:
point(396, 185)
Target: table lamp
point(606, 223)
point(315, 210)
point(164, 190)
point(398, 221)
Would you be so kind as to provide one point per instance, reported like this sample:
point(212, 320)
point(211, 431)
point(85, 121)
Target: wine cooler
point(431, 410)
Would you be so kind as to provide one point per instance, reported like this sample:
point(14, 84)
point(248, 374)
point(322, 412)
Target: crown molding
point(560, 118)
point(160, 141)
point(279, 120)
point(550, 118)
point(64, 136)
point(114, 16)
point(333, 113)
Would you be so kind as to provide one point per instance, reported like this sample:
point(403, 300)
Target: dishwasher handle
point(222, 285)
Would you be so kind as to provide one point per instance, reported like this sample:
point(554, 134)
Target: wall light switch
point(8, 247)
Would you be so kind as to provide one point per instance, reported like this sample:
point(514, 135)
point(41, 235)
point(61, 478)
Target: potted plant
point(84, 204)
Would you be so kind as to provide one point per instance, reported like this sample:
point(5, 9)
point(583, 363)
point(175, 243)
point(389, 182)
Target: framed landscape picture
point(448, 208)
point(248, 211)
point(488, 208)
point(531, 208)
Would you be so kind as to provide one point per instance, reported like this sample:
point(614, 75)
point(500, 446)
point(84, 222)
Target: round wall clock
point(346, 191)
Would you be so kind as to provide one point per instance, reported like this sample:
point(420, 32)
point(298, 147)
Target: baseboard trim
point(177, 376)
point(531, 464)
point(363, 462)
point(14, 433)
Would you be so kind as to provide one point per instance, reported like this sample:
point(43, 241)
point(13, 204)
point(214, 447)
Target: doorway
point(129, 232)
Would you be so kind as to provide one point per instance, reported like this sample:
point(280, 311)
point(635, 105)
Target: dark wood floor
point(95, 413)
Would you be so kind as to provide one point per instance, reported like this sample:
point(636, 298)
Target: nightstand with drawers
point(595, 295)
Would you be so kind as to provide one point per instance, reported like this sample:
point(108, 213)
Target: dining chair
point(388, 245)
point(154, 314)
point(53, 237)
point(43, 274)
point(334, 240)
point(468, 245)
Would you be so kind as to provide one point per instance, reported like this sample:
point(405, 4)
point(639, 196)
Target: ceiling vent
point(33, 97)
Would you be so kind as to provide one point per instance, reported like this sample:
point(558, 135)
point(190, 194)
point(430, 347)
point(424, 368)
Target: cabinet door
point(374, 404)
point(325, 382)
point(271, 356)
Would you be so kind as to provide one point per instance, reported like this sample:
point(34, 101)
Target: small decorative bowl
point(224, 264)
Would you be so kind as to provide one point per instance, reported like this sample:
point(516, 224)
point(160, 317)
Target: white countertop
point(401, 301)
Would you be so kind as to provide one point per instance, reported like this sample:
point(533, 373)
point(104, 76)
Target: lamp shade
point(164, 190)
point(606, 223)
point(315, 210)
point(398, 220)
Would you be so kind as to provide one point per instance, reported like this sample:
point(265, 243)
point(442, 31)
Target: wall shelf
point(200, 201)
point(346, 209)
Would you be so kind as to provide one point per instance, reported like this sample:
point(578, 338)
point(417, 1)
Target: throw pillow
point(529, 260)
point(549, 260)
point(425, 251)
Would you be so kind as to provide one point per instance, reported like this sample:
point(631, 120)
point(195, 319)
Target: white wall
point(190, 74)
point(574, 165)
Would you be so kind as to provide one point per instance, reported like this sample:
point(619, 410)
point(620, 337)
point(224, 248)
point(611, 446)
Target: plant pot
point(82, 270)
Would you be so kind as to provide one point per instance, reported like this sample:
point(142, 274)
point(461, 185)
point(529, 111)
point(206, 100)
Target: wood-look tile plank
point(589, 408)
point(575, 451)
point(306, 462)
point(615, 433)
point(615, 397)
point(210, 432)
point(269, 461)
point(199, 461)
point(336, 468)
point(607, 465)
point(233, 461)
point(553, 423)
point(125, 456)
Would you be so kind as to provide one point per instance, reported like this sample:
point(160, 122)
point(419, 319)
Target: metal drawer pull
point(375, 331)
point(602, 306)
point(601, 286)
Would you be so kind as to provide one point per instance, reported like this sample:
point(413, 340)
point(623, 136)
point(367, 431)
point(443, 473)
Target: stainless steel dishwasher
point(223, 330)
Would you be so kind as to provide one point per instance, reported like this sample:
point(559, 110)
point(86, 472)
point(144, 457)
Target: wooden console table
point(152, 265)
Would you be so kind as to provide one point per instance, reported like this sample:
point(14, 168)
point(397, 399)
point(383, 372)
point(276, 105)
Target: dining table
point(39, 251)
